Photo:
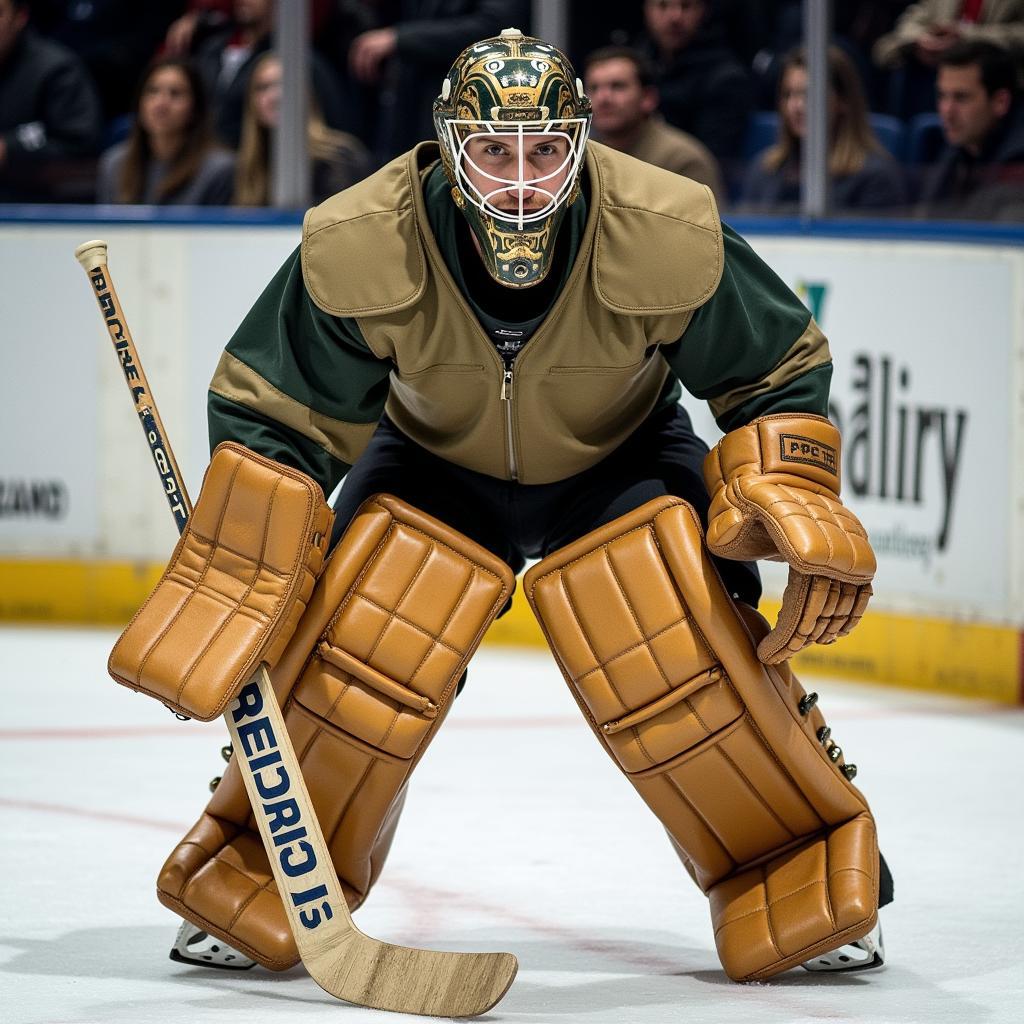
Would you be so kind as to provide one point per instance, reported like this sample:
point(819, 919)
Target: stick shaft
point(309, 851)
point(135, 378)
point(339, 957)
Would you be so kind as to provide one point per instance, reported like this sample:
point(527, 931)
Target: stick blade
point(406, 980)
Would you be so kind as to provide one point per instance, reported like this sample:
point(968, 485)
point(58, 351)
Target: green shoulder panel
point(753, 347)
point(297, 384)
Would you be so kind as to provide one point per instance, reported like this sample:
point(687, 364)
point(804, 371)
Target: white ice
point(519, 835)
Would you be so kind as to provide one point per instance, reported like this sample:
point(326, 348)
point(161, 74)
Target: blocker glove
point(235, 589)
point(774, 488)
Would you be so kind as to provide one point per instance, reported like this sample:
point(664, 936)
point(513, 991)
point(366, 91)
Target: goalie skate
point(862, 955)
point(194, 946)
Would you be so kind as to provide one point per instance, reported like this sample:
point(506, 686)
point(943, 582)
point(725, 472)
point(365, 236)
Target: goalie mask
point(513, 123)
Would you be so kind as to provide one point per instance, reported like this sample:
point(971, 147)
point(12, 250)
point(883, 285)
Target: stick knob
point(92, 254)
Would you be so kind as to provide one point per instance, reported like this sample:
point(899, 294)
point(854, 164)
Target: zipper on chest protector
point(506, 397)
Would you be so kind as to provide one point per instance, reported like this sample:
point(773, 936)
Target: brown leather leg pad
point(365, 683)
point(665, 670)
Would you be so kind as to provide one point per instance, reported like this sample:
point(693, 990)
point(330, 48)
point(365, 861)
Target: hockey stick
point(338, 956)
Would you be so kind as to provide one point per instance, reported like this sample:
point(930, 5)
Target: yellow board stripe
point(107, 593)
point(939, 655)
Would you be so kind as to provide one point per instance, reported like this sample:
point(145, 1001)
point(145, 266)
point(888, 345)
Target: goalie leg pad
point(723, 749)
point(365, 683)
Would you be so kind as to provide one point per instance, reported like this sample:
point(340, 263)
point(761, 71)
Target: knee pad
point(725, 750)
point(364, 684)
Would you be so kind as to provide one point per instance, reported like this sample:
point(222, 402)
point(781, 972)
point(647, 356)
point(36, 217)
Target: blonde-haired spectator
point(864, 175)
point(338, 159)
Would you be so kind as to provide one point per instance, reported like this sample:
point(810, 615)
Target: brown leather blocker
point(366, 681)
point(774, 487)
point(235, 588)
point(716, 743)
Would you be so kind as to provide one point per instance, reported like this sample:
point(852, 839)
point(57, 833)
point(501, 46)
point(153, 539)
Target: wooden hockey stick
point(339, 957)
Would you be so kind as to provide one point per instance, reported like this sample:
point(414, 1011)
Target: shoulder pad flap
point(658, 247)
point(361, 252)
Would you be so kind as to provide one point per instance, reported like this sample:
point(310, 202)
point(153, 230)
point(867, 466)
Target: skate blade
point(864, 954)
point(196, 948)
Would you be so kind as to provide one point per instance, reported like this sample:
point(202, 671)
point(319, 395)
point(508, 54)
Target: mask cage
point(575, 131)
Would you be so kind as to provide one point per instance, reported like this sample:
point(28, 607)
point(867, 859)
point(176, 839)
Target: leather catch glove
point(774, 488)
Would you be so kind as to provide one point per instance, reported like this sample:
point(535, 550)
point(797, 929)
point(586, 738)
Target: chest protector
point(651, 254)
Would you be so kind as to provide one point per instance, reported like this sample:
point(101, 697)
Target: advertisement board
point(928, 393)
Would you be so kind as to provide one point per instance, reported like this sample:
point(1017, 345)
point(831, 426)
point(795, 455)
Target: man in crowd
point(403, 60)
point(49, 115)
point(980, 175)
point(704, 89)
point(620, 83)
point(926, 31)
point(226, 60)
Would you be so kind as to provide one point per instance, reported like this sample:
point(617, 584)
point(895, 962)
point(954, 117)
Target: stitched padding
point(413, 617)
point(809, 522)
point(237, 582)
point(781, 912)
point(627, 643)
point(766, 502)
point(412, 599)
point(735, 773)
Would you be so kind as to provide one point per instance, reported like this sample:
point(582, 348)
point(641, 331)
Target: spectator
point(980, 175)
point(620, 84)
point(409, 57)
point(226, 59)
point(864, 176)
point(170, 157)
point(926, 31)
point(116, 39)
point(856, 25)
point(49, 115)
point(200, 18)
point(704, 90)
point(338, 159)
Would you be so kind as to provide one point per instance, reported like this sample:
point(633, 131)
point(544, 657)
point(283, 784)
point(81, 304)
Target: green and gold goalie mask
point(513, 123)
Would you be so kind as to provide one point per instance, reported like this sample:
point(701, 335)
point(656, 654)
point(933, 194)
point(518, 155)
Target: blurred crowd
point(174, 101)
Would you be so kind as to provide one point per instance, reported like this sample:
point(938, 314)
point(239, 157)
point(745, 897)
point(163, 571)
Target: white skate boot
point(194, 946)
point(861, 955)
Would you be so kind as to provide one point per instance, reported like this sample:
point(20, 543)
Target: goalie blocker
point(730, 754)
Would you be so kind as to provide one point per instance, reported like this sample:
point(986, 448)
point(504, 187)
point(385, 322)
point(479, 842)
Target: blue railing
point(206, 216)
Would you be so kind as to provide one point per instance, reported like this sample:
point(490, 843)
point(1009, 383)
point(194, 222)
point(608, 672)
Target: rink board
point(968, 659)
point(925, 324)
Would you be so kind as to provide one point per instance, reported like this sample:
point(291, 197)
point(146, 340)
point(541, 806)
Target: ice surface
point(519, 834)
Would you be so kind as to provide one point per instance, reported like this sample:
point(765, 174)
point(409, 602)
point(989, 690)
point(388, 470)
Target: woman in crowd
point(170, 156)
point(339, 159)
point(864, 175)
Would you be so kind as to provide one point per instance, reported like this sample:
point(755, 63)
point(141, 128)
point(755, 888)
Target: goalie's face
point(512, 121)
point(517, 177)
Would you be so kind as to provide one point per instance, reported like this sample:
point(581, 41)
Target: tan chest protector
point(651, 254)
